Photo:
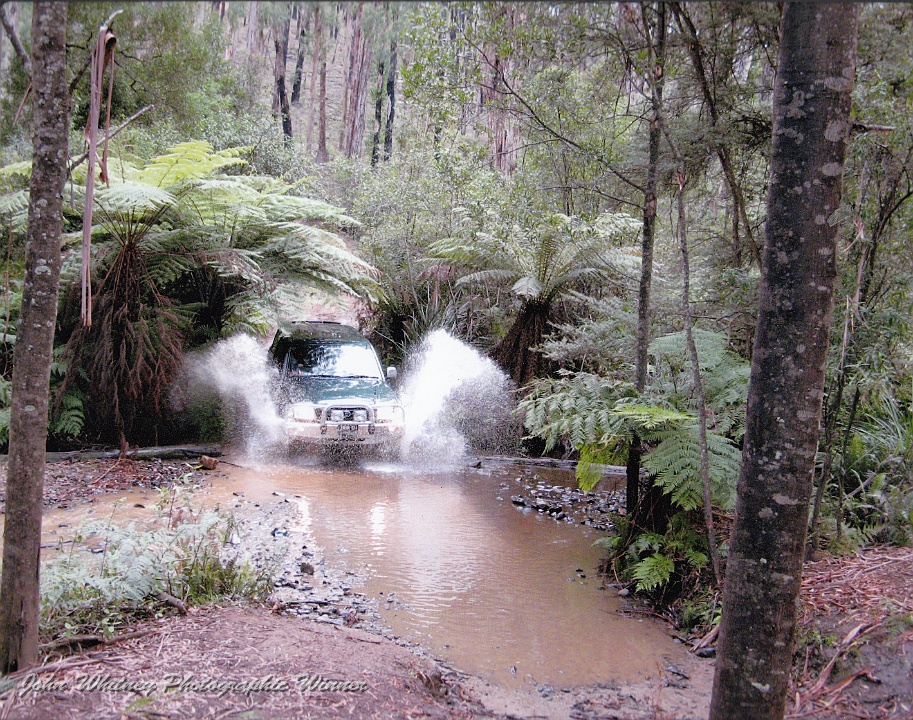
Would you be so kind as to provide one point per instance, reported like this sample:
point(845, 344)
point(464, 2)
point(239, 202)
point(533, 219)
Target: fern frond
point(192, 159)
point(130, 197)
point(653, 571)
point(676, 462)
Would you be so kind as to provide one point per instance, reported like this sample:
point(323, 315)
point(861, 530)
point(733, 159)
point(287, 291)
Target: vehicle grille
point(348, 413)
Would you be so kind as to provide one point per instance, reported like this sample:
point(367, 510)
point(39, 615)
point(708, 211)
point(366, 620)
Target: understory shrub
point(129, 573)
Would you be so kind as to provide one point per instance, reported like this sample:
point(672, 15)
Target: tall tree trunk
point(811, 124)
point(353, 126)
point(281, 43)
point(322, 154)
point(303, 22)
point(647, 507)
point(349, 79)
point(19, 599)
point(378, 114)
point(253, 28)
point(391, 95)
point(315, 73)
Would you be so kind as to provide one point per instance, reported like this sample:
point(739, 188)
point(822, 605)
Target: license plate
point(348, 432)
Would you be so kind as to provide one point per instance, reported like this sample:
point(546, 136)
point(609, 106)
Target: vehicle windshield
point(332, 360)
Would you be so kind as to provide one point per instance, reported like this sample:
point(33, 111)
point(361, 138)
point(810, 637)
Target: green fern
point(653, 571)
point(69, 417)
point(676, 463)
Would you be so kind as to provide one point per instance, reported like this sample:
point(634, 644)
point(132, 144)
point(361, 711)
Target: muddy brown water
point(509, 595)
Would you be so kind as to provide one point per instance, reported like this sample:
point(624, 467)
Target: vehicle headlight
point(390, 414)
point(304, 412)
point(336, 416)
point(360, 416)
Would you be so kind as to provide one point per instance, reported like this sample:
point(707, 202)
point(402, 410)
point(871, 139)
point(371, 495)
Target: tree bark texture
point(378, 114)
point(322, 154)
point(349, 81)
point(254, 41)
point(514, 355)
point(315, 73)
point(353, 126)
point(811, 126)
point(32, 357)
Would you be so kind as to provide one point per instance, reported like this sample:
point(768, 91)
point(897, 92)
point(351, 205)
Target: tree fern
point(169, 236)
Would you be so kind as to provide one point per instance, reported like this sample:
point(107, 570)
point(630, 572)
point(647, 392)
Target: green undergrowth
point(112, 575)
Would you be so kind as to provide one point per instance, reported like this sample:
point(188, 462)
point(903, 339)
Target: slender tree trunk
point(696, 375)
point(322, 154)
point(811, 125)
point(354, 42)
point(378, 115)
point(285, 113)
point(391, 95)
point(645, 509)
point(315, 73)
point(19, 599)
point(841, 490)
point(303, 22)
point(722, 150)
point(353, 127)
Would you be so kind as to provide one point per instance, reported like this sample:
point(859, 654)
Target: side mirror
point(392, 373)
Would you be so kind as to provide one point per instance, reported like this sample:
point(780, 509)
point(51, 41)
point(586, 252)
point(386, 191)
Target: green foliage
point(653, 571)
point(661, 564)
point(597, 416)
point(184, 252)
point(168, 55)
point(85, 592)
point(676, 463)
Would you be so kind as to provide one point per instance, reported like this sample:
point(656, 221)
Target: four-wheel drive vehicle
point(332, 390)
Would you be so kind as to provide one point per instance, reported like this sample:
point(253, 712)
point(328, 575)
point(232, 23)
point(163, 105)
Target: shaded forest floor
point(854, 658)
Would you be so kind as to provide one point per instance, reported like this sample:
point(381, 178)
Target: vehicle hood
point(323, 390)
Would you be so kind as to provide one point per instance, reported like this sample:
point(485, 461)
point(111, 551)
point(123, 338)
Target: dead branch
point(171, 600)
point(92, 640)
point(82, 158)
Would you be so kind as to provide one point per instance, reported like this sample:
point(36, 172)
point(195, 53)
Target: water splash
point(456, 400)
point(238, 370)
